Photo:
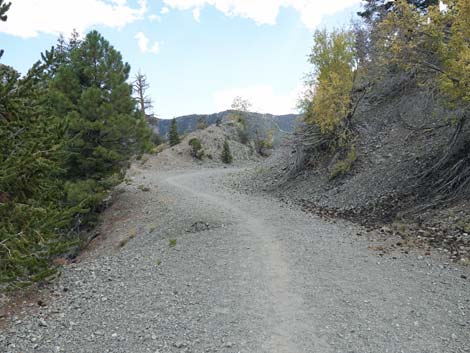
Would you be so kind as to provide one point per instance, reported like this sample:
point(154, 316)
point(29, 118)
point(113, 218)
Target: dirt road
point(191, 266)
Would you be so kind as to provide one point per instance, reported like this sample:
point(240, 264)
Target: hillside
point(212, 140)
point(263, 123)
point(386, 139)
point(396, 143)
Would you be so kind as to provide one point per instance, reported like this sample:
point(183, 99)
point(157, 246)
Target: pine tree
point(4, 7)
point(93, 93)
point(89, 89)
point(226, 156)
point(67, 129)
point(174, 136)
point(31, 190)
point(141, 86)
point(376, 10)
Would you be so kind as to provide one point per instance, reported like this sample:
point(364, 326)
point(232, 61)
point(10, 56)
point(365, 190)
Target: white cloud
point(267, 11)
point(119, 2)
point(197, 14)
point(28, 18)
point(164, 10)
point(153, 18)
point(143, 43)
point(155, 48)
point(263, 98)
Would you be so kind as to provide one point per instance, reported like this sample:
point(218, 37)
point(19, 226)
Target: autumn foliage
point(426, 42)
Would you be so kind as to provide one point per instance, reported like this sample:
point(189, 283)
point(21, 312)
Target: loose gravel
point(192, 266)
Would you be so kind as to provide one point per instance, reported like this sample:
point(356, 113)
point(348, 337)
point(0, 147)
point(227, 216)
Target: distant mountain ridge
point(256, 123)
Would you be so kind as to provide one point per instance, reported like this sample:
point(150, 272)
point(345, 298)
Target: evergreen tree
point(92, 92)
point(141, 86)
point(227, 157)
point(31, 189)
point(4, 7)
point(174, 136)
point(376, 10)
point(67, 129)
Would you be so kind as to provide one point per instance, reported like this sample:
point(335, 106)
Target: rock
point(179, 344)
point(199, 227)
point(385, 230)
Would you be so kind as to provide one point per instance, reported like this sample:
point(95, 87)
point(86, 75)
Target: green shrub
point(156, 139)
point(344, 166)
point(201, 124)
point(227, 157)
point(143, 188)
point(243, 135)
point(196, 151)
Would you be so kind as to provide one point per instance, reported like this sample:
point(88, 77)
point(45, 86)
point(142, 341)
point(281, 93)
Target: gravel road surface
point(190, 266)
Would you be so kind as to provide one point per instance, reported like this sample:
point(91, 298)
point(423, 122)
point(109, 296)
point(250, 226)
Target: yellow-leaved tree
point(436, 42)
point(328, 102)
point(454, 50)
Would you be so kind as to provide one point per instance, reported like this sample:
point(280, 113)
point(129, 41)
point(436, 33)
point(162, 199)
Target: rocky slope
point(263, 123)
point(398, 136)
point(212, 139)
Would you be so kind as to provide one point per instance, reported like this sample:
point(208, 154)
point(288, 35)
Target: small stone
point(179, 344)
point(228, 345)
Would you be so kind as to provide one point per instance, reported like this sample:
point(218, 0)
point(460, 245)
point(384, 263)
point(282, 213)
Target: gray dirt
point(247, 274)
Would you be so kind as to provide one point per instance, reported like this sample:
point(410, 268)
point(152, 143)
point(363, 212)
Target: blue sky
point(197, 54)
